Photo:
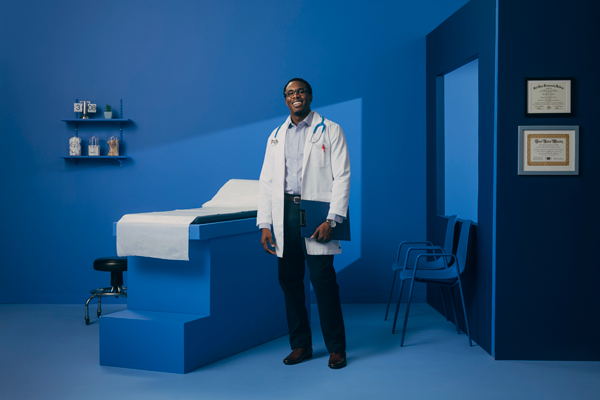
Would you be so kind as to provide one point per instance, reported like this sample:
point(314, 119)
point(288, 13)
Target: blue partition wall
point(547, 282)
point(531, 286)
point(468, 35)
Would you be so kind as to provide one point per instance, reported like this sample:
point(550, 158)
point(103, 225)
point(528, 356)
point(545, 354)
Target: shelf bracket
point(121, 132)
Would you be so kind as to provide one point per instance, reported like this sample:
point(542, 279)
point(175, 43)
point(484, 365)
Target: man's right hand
point(267, 239)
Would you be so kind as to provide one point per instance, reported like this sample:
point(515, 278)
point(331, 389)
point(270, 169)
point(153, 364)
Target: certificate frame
point(549, 150)
point(549, 97)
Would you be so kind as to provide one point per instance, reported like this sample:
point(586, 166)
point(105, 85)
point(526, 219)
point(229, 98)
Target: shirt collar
point(307, 120)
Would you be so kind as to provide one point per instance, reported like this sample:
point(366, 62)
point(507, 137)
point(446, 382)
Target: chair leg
point(87, 317)
point(412, 285)
point(99, 312)
point(390, 299)
point(454, 311)
point(462, 298)
point(398, 307)
point(444, 302)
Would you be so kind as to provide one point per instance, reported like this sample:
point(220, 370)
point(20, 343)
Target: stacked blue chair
point(407, 252)
point(445, 273)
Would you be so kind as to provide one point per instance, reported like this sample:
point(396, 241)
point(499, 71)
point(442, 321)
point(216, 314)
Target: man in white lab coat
point(306, 157)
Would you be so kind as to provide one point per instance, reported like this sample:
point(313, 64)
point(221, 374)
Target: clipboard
point(314, 213)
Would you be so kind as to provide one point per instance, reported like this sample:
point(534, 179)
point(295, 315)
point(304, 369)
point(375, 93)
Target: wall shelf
point(91, 121)
point(78, 120)
point(118, 159)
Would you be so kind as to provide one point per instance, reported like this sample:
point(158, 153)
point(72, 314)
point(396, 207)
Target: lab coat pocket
point(322, 154)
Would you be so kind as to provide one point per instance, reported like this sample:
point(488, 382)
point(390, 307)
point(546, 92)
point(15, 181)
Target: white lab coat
point(325, 177)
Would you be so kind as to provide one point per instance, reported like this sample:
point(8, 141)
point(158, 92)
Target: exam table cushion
point(238, 193)
point(206, 219)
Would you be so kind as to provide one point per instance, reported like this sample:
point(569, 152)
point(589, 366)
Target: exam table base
point(227, 300)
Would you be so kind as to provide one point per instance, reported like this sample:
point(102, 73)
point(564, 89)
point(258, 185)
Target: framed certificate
point(545, 96)
point(548, 150)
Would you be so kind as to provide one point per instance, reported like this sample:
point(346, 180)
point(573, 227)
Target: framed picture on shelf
point(548, 96)
point(548, 150)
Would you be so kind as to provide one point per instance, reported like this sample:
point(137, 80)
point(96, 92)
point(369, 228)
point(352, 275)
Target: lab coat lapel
point(280, 153)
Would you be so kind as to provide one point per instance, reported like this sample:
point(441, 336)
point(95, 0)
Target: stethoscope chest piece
point(274, 141)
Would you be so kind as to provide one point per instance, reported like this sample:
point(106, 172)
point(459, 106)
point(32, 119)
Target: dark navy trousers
point(323, 278)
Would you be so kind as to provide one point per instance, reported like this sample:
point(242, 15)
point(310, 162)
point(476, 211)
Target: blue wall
point(202, 82)
point(547, 277)
point(461, 141)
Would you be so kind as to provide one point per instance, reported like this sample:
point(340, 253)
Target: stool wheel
point(99, 313)
point(87, 320)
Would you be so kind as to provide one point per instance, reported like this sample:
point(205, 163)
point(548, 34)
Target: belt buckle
point(296, 199)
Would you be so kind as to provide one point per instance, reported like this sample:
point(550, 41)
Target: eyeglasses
point(299, 91)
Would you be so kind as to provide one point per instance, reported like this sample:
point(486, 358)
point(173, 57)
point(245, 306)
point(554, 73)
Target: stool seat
point(110, 264)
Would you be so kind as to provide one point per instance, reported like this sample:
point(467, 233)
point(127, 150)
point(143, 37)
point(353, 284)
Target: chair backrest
point(449, 240)
point(463, 244)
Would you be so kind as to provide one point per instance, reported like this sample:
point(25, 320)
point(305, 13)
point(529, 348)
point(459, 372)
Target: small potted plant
point(108, 112)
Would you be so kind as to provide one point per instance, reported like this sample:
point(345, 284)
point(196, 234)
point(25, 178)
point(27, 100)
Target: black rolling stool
point(116, 266)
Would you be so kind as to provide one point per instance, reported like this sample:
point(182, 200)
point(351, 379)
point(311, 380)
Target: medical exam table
point(182, 315)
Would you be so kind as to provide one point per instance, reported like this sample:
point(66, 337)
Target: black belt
point(292, 198)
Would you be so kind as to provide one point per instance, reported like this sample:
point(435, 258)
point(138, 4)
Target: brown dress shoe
point(337, 360)
point(298, 355)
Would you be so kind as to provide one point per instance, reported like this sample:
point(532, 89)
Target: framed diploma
point(545, 96)
point(548, 150)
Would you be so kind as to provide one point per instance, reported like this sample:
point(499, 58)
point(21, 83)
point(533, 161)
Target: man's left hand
point(323, 234)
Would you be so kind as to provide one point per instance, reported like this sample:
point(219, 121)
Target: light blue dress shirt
point(295, 139)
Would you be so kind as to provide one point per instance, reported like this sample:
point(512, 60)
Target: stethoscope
point(274, 141)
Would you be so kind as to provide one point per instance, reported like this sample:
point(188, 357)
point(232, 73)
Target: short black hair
point(299, 80)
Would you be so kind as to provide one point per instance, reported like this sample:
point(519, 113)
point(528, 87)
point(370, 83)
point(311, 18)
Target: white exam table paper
point(165, 234)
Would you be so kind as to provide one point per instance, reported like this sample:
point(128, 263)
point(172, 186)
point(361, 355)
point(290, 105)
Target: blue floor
point(47, 352)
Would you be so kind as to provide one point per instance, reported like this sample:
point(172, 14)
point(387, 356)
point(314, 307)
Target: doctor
point(306, 157)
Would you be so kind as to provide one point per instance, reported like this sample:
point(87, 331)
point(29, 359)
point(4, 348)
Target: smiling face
point(299, 104)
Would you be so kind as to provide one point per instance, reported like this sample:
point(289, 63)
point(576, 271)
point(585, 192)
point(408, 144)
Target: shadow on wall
point(349, 115)
point(178, 175)
point(244, 159)
point(236, 153)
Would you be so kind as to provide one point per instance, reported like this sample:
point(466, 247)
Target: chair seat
point(423, 265)
point(110, 264)
point(447, 275)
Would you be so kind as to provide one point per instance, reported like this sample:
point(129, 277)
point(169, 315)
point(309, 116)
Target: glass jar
point(75, 146)
point(113, 146)
point(94, 146)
